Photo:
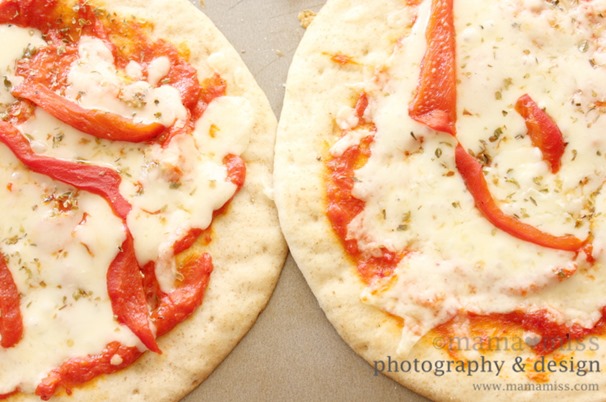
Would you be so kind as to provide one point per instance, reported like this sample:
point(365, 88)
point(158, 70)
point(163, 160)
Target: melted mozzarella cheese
point(458, 261)
point(165, 212)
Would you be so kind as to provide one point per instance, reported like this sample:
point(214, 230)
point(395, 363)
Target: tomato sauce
point(343, 207)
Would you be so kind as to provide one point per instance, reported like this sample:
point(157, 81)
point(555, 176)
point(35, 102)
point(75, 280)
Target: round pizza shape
point(440, 178)
point(139, 241)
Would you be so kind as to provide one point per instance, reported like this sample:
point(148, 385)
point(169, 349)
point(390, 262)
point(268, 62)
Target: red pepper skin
point(471, 171)
point(11, 322)
point(187, 241)
point(185, 78)
point(211, 88)
point(543, 131)
point(361, 105)
point(176, 306)
point(95, 179)
point(49, 66)
point(435, 101)
point(105, 125)
point(6, 396)
point(125, 289)
point(153, 293)
point(79, 370)
point(236, 169)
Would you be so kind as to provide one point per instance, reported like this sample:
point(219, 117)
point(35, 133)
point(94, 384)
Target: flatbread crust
point(316, 89)
point(248, 249)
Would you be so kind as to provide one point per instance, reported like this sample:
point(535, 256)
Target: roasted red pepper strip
point(212, 87)
point(543, 131)
point(105, 125)
point(236, 169)
point(176, 306)
point(82, 369)
point(95, 179)
point(153, 293)
point(125, 289)
point(5, 396)
point(471, 171)
point(185, 78)
point(361, 106)
point(435, 101)
point(187, 241)
point(11, 323)
point(49, 66)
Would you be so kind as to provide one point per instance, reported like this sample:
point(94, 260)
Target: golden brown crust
point(248, 249)
point(316, 88)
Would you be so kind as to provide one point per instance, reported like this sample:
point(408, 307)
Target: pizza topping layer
point(21, 40)
point(60, 276)
point(543, 131)
point(471, 172)
point(112, 170)
point(94, 82)
point(501, 217)
point(11, 322)
point(434, 103)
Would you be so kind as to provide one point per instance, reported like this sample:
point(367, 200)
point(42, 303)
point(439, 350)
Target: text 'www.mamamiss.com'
point(535, 387)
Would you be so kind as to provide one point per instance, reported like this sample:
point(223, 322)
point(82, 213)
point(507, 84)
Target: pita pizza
point(138, 241)
point(440, 170)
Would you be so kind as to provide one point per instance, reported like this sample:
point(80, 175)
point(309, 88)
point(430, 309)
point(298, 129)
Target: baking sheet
point(292, 352)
